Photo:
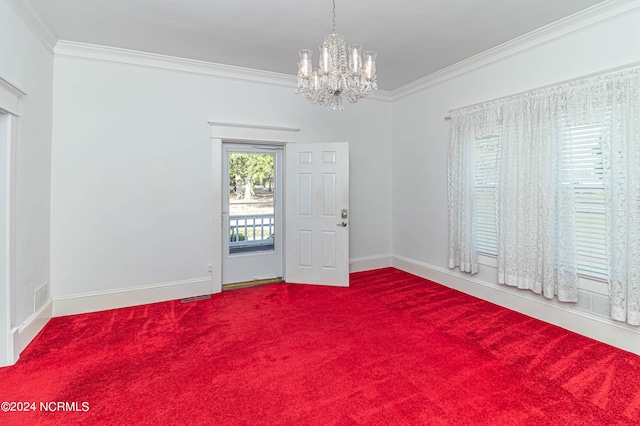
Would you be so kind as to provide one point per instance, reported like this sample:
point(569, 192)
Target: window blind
point(485, 197)
point(582, 172)
point(582, 169)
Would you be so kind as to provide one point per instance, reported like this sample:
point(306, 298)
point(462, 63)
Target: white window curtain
point(538, 179)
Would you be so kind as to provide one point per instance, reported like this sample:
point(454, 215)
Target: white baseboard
point(32, 326)
point(100, 301)
point(614, 333)
point(20, 337)
point(367, 263)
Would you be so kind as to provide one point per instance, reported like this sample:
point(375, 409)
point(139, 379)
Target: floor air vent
point(193, 299)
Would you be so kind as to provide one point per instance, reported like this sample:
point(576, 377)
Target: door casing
point(232, 132)
point(226, 132)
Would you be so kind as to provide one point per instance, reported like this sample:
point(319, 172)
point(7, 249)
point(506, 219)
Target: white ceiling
point(413, 38)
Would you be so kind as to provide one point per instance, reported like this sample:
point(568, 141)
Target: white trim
point(20, 337)
point(380, 95)
point(115, 55)
point(114, 299)
point(561, 314)
point(251, 126)
point(13, 344)
point(368, 263)
point(578, 22)
point(233, 132)
point(32, 326)
point(216, 214)
point(9, 96)
point(13, 90)
point(34, 21)
point(584, 283)
point(8, 341)
point(94, 52)
point(252, 132)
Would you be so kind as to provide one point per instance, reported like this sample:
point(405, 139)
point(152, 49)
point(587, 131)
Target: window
point(547, 180)
point(582, 171)
point(486, 180)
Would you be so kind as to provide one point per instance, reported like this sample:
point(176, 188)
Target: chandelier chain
point(334, 16)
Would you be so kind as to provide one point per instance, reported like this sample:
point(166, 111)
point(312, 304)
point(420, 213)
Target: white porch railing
point(251, 230)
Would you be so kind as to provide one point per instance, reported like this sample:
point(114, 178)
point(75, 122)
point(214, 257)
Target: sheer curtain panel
point(566, 191)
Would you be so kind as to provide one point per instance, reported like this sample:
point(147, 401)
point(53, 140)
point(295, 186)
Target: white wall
point(131, 170)
point(131, 162)
point(26, 63)
point(420, 138)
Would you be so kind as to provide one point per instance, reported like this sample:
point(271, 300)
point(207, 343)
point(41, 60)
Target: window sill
point(584, 283)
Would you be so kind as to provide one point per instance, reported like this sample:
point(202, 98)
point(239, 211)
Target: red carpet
point(393, 349)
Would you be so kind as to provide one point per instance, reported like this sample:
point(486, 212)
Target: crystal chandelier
point(335, 76)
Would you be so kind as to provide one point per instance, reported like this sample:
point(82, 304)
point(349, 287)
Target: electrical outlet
point(209, 268)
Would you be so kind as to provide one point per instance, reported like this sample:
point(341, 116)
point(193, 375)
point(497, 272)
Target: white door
point(317, 213)
point(252, 211)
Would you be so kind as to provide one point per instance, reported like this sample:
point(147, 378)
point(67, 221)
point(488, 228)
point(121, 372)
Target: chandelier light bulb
point(370, 64)
point(355, 58)
point(305, 67)
point(325, 58)
point(341, 71)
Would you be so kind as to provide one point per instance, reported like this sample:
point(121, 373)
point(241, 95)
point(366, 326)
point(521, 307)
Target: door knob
point(342, 224)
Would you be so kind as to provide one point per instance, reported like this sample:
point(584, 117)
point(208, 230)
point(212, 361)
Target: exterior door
point(317, 213)
point(252, 248)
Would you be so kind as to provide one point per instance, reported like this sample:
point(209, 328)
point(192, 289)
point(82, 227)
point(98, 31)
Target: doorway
point(317, 205)
point(252, 214)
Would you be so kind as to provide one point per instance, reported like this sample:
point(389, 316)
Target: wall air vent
point(40, 296)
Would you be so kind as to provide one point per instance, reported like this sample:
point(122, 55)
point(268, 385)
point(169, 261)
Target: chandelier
point(335, 76)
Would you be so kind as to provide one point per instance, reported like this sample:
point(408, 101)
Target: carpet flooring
point(393, 349)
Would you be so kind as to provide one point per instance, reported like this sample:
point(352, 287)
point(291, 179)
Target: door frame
point(266, 260)
point(9, 344)
point(236, 133)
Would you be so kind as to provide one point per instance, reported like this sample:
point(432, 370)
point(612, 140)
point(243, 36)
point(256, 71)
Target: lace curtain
point(535, 194)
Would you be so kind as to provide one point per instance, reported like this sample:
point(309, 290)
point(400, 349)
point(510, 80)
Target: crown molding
point(578, 22)
point(116, 55)
point(34, 21)
point(381, 95)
